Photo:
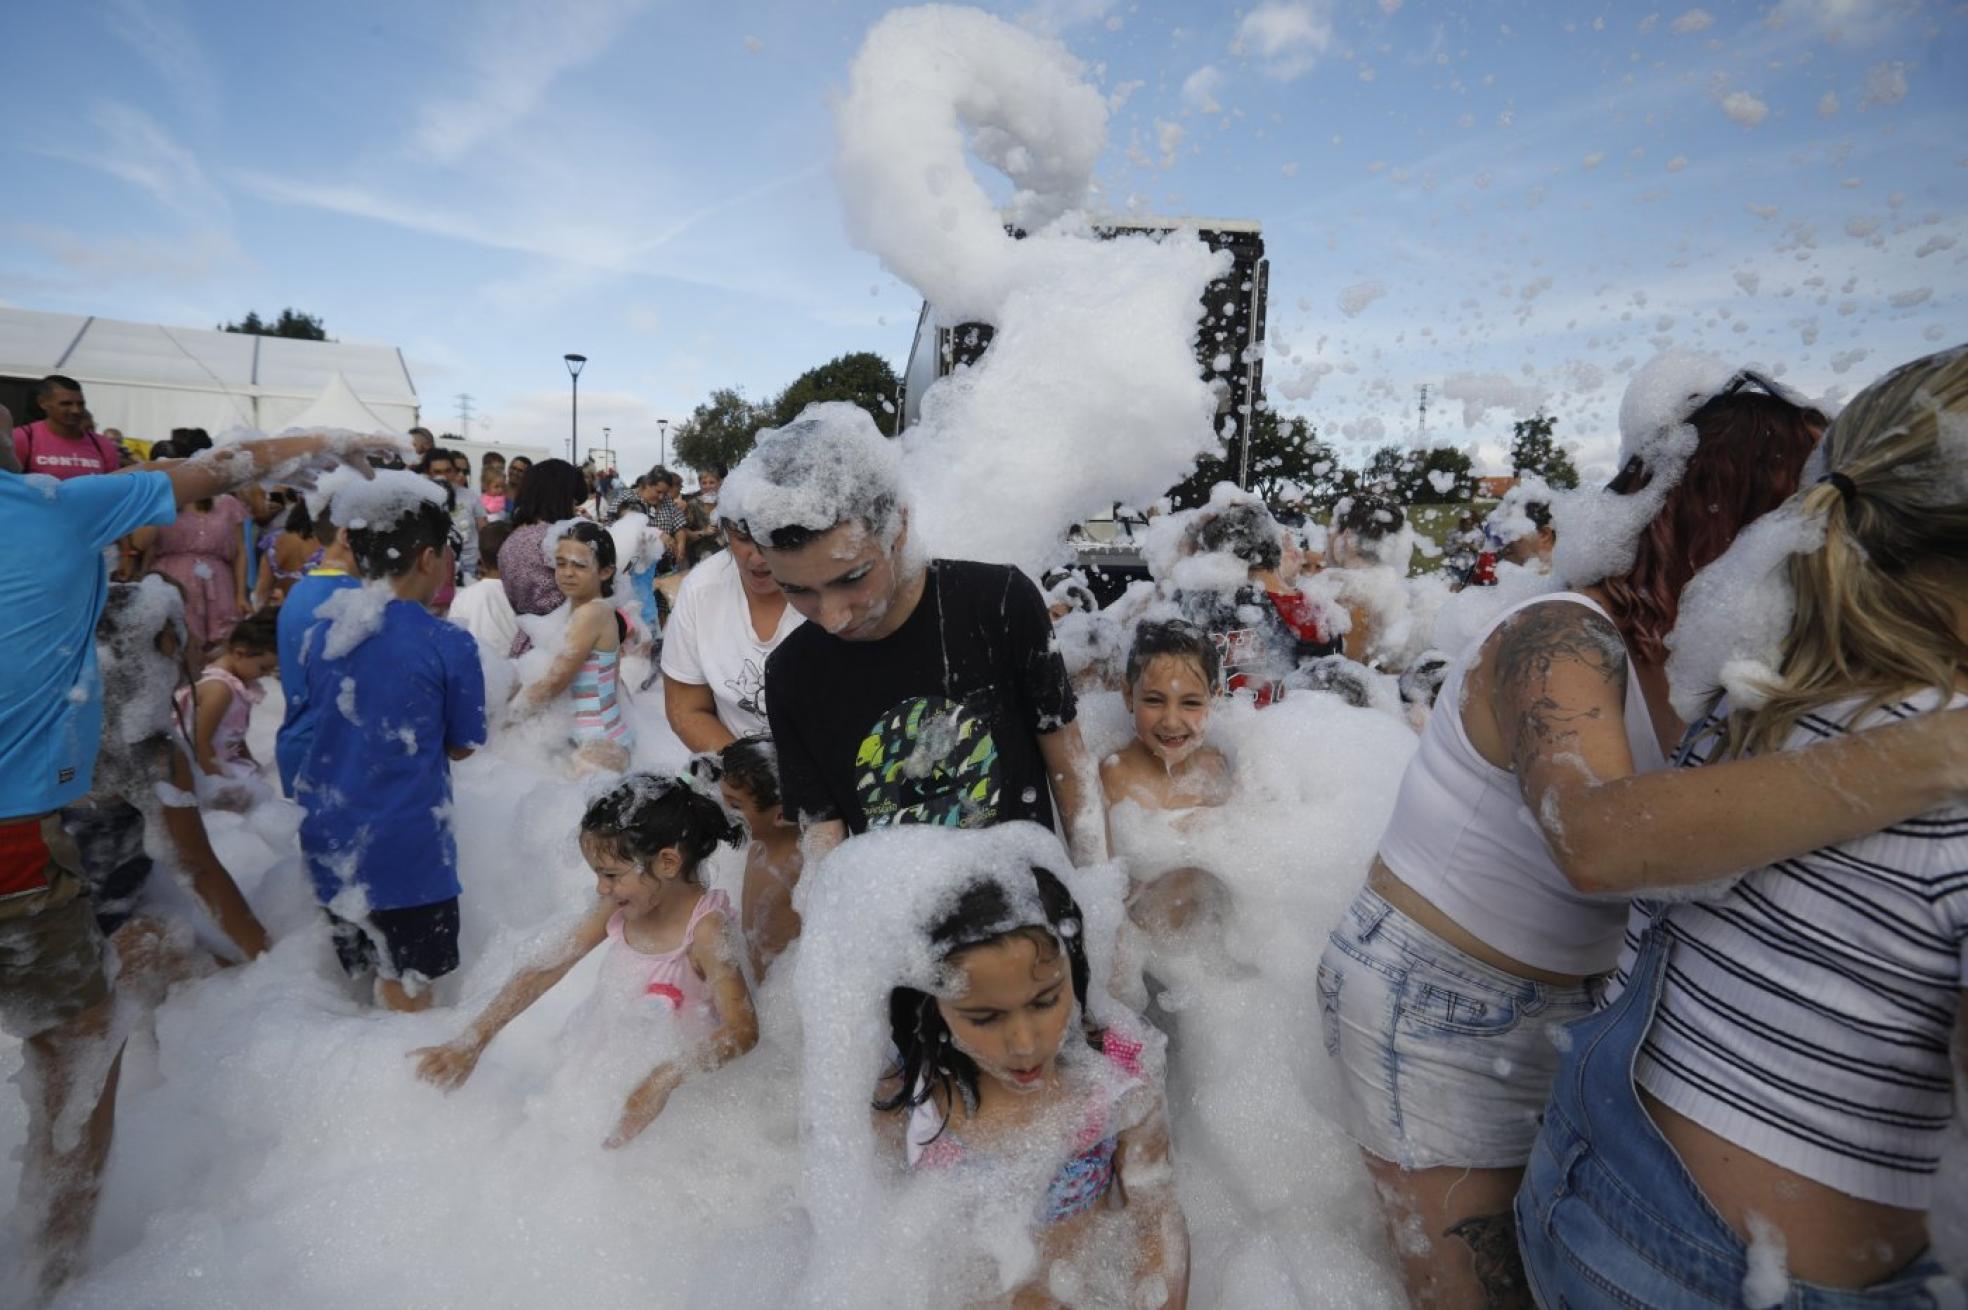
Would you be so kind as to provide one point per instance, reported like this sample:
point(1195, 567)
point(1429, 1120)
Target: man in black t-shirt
point(916, 692)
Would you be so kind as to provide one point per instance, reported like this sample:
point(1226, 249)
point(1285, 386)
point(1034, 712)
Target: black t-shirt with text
point(937, 722)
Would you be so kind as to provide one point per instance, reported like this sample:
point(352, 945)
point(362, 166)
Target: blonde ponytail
point(1876, 604)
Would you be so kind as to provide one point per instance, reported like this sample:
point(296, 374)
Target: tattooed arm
point(1557, 677)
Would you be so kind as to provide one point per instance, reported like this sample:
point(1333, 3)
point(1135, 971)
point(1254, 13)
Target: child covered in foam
point(1165, 773)
point(999, 1076)
point(672, 977)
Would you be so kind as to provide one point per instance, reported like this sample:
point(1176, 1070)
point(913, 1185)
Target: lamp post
point(574, 366)
point(663, 436)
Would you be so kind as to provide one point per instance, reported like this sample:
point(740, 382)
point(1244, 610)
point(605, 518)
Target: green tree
point(1287, 457)
point(862, 378)
point(719, 431)
point(1533, 451)
point(1440, 475)
point(300, 327)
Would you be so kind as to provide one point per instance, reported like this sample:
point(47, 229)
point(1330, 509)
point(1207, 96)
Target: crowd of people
point(1652, 994)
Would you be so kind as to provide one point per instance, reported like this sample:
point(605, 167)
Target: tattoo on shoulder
point(1534, 645)
point(1492, 1242)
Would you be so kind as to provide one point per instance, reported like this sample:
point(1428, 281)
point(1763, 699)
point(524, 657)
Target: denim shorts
point(1446, 1061)
point(1609, 1217)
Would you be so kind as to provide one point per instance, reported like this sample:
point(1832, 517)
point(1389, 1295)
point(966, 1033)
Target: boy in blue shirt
point(401, 695)
point(317, 583)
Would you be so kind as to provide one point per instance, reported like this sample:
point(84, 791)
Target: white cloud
point(136, 149)
point(1168, 139)
point(1745, 108)
point(1053, 17)
point(1285, 38)
point(1200, 87)
point(1885, 84)
point(157, 31)
point(1695, 20)
point(1856, 21)
point(1357, 297)
point(1828, 105)
point(1481, 393)
point(511, 61)
point(191, 259)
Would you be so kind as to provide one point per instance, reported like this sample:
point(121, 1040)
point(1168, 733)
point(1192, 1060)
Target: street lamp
point(663, 435)
point(574, 365)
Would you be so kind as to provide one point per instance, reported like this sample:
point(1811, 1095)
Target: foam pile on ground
point(1281, 1212)
point(1089, 392)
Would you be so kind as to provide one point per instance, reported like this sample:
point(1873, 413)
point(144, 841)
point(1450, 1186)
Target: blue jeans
point(1608, 1216)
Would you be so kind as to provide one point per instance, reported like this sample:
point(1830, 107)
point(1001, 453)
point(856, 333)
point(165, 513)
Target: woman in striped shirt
point(1757, 1117)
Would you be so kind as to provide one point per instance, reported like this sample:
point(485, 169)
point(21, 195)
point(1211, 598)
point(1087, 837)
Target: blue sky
point(1514, 203)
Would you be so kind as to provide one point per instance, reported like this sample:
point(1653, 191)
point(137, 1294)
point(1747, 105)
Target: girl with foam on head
point(998, 1073)
point(1539, 801)
point(590, 658)
point(671, 948)
point(1770, 1083)
point(1166, 771)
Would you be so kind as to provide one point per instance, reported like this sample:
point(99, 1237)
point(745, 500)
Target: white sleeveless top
point(1463, 838)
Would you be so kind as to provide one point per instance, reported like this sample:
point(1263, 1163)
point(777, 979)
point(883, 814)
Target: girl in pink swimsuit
point(1002, 1071)
point(670, 941)
point(216, 714)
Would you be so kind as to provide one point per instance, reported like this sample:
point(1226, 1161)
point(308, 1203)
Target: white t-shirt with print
point(709, 641)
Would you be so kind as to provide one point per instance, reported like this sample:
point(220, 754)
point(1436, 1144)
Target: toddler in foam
point(670, 940)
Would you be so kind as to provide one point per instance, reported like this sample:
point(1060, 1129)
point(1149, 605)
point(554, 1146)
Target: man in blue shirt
point(335, 572)
point(401, 694)
point(53, 585)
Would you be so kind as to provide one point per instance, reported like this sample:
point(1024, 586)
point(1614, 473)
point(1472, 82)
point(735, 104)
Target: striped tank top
point(597, 712)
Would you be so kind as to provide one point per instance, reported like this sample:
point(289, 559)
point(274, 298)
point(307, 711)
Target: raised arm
point(715, 959)
point(1558, 675)
point(1076, 793)
point(449, 1065)
point(216, 472)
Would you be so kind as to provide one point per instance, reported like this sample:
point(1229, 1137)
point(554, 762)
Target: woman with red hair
point(1538, 803)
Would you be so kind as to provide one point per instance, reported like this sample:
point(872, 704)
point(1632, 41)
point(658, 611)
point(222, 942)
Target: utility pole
point(464, 414)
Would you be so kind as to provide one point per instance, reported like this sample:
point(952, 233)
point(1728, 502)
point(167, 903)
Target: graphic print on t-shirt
point(748, 688)
point(929, 760)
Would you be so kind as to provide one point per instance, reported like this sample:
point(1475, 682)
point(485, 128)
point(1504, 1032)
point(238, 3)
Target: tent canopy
point(145, 378)
point(339, 408)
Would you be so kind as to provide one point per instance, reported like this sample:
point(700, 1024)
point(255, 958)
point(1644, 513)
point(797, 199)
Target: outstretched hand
point(449, 1065)
point(352, 452)
point(644, 1104)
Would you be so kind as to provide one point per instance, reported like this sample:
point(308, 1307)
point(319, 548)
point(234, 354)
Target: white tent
point(145, 379)
point(339, 408)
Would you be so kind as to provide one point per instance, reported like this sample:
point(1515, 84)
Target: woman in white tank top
point(1536, 804)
